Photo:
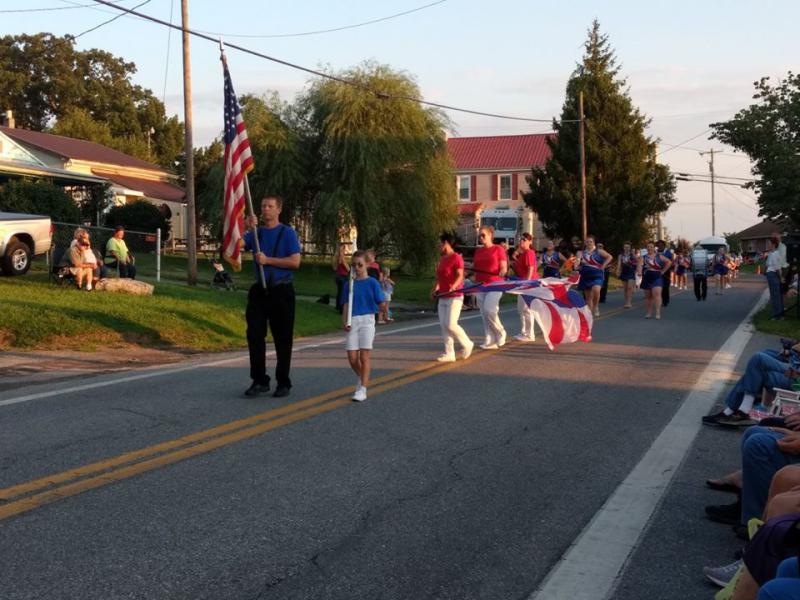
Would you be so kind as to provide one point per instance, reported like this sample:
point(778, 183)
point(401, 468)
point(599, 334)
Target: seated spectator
point(121, 258)
point(82, 261)
point(765, 369)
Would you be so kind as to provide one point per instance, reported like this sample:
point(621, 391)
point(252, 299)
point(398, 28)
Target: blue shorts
point(681, 270)
point(720, 270)
point(551, 272)
point(652, 279)
point(590, 278)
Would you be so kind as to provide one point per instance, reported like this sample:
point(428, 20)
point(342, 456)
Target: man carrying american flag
point(276, 254)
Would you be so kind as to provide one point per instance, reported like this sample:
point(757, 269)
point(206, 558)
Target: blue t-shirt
point(287, 246)
point(367, 295)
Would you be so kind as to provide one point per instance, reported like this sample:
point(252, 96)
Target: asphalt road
point(457, 482)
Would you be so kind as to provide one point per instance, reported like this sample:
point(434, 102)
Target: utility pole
point(191, 242)
point(581, 143)
point(713, 211)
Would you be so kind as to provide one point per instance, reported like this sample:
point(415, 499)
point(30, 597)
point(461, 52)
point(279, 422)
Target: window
point(504, 184)
point(464, 191)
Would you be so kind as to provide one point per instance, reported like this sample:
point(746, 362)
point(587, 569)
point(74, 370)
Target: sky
point(687, 64)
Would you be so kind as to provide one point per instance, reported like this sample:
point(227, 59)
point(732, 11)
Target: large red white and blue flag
point(238, 162)
point(561, 312)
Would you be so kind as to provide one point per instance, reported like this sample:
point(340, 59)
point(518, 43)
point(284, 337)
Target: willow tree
point(624, 183)
point(382, 162)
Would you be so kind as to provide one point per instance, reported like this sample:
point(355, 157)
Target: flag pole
point(247, 195)
point(350, 296)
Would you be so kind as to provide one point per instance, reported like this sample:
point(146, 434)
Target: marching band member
point(449, 277)
point(652, 268)
point(592, 262)
point(720, 269)
point(490, 263)
point(626, 271)
point(681, 266)
point(525, 268)
point(552, 260)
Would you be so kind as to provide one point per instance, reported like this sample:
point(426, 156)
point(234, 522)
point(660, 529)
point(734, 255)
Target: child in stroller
point(222, 279)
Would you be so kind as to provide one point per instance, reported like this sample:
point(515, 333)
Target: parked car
point(21, 238)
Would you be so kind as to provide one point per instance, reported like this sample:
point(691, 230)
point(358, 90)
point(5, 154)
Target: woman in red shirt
point(490, 263)
point(525, 268)
point(450, 276)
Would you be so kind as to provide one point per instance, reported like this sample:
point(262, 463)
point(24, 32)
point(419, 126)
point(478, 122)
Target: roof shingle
point(500, 151)
point(76, 149)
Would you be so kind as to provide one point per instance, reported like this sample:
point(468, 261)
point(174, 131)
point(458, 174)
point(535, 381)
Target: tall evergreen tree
point(624, 183)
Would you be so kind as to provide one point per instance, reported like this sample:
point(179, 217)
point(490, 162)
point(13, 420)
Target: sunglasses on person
point(482, 236)
point(358, 264)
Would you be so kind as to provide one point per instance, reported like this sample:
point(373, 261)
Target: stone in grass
point(125, 286)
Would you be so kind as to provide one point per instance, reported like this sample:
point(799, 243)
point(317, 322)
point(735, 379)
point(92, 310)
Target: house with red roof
point(491, 173)
point(78, 163)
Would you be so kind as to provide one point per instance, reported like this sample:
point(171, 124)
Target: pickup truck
point(21, 238)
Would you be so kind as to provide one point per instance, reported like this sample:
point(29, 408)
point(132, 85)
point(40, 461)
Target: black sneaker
point(728, 514)
point(714, 419)
point(737, 419)
point(257, 389)
point(281, 392)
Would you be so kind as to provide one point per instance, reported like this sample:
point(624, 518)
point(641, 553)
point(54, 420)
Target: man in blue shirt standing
point(661, 246)
point(271, 302)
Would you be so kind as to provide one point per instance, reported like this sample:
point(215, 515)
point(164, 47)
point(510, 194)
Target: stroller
point(222, 279)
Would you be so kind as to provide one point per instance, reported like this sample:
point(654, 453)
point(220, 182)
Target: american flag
point(238, 162)
point(561, 312)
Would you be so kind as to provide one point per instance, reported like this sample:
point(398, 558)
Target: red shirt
point(487, 263)
point(523, 262)
point(447, 272)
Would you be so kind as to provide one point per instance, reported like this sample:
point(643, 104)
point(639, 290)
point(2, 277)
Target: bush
point(39, 198)
point(139, 215)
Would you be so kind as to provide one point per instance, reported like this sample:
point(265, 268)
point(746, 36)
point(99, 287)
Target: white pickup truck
point(21, 238)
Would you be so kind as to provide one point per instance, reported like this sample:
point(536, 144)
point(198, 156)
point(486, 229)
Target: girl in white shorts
point(367, 300)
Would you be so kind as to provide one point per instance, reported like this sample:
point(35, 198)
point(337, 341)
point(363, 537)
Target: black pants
point(276, 309)
point(126, 270)
point(665, 290)
point(700, 287)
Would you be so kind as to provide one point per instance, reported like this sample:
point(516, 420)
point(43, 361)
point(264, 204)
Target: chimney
point(8, 119)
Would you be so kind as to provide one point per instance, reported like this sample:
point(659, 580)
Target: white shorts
point(361, 334)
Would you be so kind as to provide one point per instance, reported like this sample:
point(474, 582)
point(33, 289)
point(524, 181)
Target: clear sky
point(687, 63)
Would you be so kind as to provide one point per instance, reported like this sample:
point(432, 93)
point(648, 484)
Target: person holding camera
point(271, 300)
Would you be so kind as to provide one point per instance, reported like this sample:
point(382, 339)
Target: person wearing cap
point(271, 302)
point(123, 260)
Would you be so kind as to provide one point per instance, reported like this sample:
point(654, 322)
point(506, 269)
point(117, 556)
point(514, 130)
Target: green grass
point(789, 327)
point(40, 315)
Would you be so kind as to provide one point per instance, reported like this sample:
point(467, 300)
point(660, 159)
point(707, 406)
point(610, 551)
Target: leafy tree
point(45, 81)
point(382, 163)
point(38, 198)
point(768, 131)
point(624, 183)
point(734, 241)
point(139, 215)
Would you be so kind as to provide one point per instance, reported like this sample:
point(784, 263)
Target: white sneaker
point(728, 286)
point(360, 395)
point(489, 347)
point(523, 338)
point(502, 341)
point(89, 287)
point(446, 358)
point(467, 351)
point(596, 312)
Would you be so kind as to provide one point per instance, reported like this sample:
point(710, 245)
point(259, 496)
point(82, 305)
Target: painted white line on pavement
point(215, 363)
point(592, 566)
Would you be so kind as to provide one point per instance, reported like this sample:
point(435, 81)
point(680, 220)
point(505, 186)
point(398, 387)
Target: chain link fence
point(144, 245)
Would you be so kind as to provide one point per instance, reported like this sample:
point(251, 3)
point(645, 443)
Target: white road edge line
point(215, 363)
point(592, 566)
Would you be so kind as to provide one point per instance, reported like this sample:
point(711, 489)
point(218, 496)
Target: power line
point(111, 20)
point(319, 31)
point(166, 62)
point(47, 9)
point(747, 206)
point(716, 175)
point(694, 137)
point(328, 76)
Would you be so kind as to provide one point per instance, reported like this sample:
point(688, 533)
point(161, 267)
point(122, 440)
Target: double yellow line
point(38, 492)
point(27, 496)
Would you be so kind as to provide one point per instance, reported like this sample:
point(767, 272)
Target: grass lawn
point(40, 315)
point(789, 327)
